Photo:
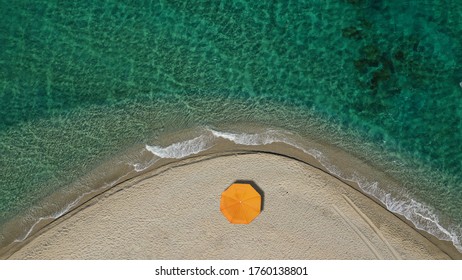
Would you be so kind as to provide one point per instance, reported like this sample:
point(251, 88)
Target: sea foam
point(421, 215)
point(251, 139)
point(182, 149)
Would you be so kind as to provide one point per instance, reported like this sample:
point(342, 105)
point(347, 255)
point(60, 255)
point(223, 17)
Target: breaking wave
point(420, 214)
point(182, 149)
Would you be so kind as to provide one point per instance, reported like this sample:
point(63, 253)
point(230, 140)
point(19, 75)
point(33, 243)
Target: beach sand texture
point(173, 213)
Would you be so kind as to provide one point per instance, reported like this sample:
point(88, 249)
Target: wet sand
point(173, 213)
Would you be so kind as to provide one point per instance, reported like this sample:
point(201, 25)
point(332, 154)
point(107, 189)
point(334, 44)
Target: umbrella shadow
point(257, 188)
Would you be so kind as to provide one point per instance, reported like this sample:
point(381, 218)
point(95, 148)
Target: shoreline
point(167, 165)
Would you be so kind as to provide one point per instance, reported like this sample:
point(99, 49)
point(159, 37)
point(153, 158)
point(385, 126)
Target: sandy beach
point(173, 213)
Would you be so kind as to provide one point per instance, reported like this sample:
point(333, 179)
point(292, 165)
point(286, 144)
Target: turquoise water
point(83, 82)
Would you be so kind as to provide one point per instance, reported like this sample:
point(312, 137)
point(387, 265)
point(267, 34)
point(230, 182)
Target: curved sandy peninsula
point(174, 213)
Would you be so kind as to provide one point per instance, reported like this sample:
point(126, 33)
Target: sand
point(173, 213)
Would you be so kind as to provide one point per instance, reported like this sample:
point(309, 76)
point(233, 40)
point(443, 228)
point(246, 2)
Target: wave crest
point(182, 149)
point(421, 215)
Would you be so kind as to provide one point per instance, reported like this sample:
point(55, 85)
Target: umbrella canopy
point(240, 203)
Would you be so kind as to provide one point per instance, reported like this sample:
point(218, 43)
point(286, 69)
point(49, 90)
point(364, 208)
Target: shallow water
point(85, 82)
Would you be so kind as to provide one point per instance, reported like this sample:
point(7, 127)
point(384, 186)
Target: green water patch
point(81, 81)
point(389, 68)
point(78, 153)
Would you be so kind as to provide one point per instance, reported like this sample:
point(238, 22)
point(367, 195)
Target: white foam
point(66, 208)
point(265, 138)
point(139, 167)
point(50, 217)
point(322, 159)
point(421, 215)
point(182, 149)
point(276, 136)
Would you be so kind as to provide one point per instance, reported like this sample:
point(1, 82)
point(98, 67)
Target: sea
point(94, 92)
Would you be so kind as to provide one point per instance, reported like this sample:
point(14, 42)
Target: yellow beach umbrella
point(240, 203)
